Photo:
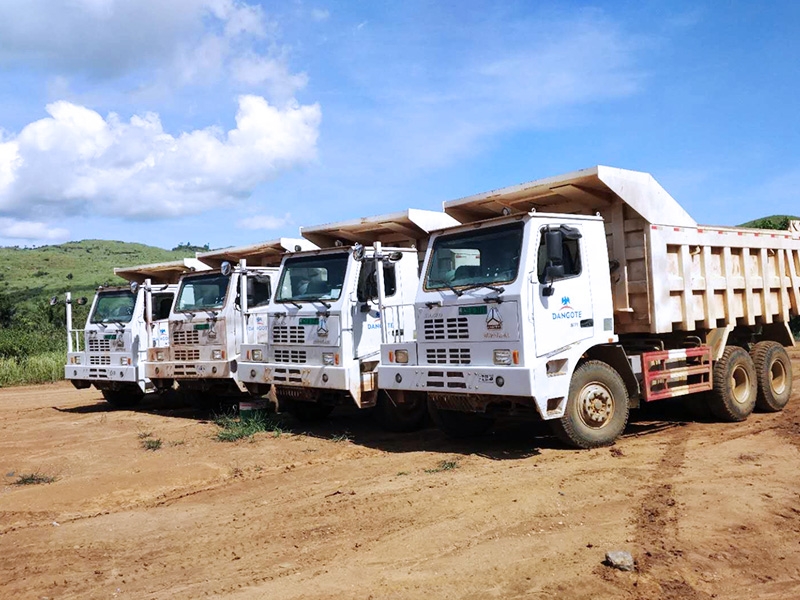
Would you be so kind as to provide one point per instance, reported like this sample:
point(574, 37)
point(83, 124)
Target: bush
point(24, 342)
point(42, 368)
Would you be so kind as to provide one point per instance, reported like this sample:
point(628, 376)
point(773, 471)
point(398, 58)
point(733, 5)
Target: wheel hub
point(596, 405)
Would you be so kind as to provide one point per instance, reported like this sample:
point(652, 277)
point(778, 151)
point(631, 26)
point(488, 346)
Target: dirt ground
point(342, 509)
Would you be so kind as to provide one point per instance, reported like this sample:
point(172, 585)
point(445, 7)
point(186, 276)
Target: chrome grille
point(289, 334)
point(99, 345)
point(290, 356)
point(451, 328)
point(185, 338)
point(99, 360)
point(454, 356)
point(187, 354)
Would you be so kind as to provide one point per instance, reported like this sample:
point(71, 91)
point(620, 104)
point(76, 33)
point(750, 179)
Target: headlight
point(401, 356)
point(76, 360)
point(160, 355)
point(502, 357)
point(256, 354)
point(216, 355)
point(123, 361)
point(327, 358)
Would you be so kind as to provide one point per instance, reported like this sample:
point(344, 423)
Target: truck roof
point(587, 191)
point(263, 254)
point(166, 272)
point(401, 229)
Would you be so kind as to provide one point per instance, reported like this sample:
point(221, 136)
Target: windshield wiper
point(290, 301)
point(495, 288)
point(321, 301)
point(448, 284)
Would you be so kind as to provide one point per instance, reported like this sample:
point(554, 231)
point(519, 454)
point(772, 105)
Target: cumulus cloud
point(265, 222)
point(179, 42)
point(77, 161)
point(31, 231)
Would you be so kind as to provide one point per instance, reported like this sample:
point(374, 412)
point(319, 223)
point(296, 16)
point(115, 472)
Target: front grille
point(289, 334)
point(290, 356)
point(187, 354)
point(185, 338)
point(453, 356)
point(451, 328)
point(185, 371)
point(99, 360)
point(287, 376)
point(99, 345)
point(447, 379)
point(98, 373)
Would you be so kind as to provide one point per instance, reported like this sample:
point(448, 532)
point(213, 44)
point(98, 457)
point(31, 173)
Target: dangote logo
point(566, 311)
point(322, 327)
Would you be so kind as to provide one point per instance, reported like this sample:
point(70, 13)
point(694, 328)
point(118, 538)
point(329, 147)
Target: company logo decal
point(566, 311)
point(493, 319)
point(322, 327)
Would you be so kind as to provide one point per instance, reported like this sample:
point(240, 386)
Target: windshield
point(203, 292)
point(483, 256)
point(114, 307)
point(312, 278)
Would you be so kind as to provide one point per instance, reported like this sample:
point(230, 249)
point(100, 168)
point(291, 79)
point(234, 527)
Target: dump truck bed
point(667, 272)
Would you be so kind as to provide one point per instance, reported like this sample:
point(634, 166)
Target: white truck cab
point(333, 307)
point(208, 320)
point(573, 298)
point(123, 322)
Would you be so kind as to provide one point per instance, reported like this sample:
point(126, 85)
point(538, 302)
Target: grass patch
point(152, 444)
point(232, 429)
point(444, 465)
point(34, 479)
point(39, 368)
point(143, 435)
point(342, 437)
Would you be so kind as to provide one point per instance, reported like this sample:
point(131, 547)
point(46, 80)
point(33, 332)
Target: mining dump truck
point(124, 321)
point(209, 317)
point(319, 342)
point(574, 298)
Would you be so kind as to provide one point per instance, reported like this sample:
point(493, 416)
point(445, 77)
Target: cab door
point(562, 297)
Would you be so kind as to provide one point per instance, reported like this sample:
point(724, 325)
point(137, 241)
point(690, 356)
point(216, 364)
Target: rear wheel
point(124, 398)
point(306, 411)
point(597, 407)
point(773, 375)
point(734, 395)
point(457, 424)
point(401, 411)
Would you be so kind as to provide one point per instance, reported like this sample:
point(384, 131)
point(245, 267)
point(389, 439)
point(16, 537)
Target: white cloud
point(273, 73)
point(265, 222)
point(76, 161)
point(31, 231)
point(320, 14)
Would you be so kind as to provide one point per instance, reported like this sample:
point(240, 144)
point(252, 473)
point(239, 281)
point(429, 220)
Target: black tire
point(773, 375)
point(457, 424)
point(123, 398)
point(597, 407)
point(397, 416)
point(733, 397)
point(306, 412)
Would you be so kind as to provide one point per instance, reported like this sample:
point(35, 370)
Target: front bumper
point(458, 379)
point(201, 369)
point(101, 373)
point(309, 376)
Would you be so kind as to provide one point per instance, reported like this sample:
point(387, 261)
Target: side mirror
point(53, 300)
point(358, 252)
point(364, 308)
point(81, 301)
point(395, 256)
point(226, 268)
point(134, 287)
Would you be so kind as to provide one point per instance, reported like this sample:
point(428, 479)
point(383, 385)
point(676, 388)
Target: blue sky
point(230, 122)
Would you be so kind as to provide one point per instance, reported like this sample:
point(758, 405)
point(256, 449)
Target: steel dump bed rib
point(166, 272)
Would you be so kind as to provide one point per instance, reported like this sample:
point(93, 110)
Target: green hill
point(774, 222)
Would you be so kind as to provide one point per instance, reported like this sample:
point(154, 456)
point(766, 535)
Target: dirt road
point(709, 510)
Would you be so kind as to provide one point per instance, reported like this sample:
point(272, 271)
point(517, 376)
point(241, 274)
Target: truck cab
point(331, 311)
point(123, 323)
point(209, 317)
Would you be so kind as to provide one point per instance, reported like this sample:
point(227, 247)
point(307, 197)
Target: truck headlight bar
point(401, 357)
point(327, 358)
point(502, 357)
point(257, 356)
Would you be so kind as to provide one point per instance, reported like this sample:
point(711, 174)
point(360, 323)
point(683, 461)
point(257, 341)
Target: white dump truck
point(124, 321)
point(573, 298)
point(207, 322)
point(320, 341)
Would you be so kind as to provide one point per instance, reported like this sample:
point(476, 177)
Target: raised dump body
point(667, 272)
point(575, 297)
point(123, 323)
point(211, 315)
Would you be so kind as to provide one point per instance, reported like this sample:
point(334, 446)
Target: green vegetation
point(152, 444)
point(32, 333)
point(774, 222)
point(444, 465)
point(34, 479)
point(233, 429)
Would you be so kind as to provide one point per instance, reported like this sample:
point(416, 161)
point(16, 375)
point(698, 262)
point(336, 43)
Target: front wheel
point(774, 376)
point(597, 407)
point(123, 398)
point(401, 411)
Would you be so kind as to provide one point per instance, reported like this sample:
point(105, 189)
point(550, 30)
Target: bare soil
point(342, 509)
